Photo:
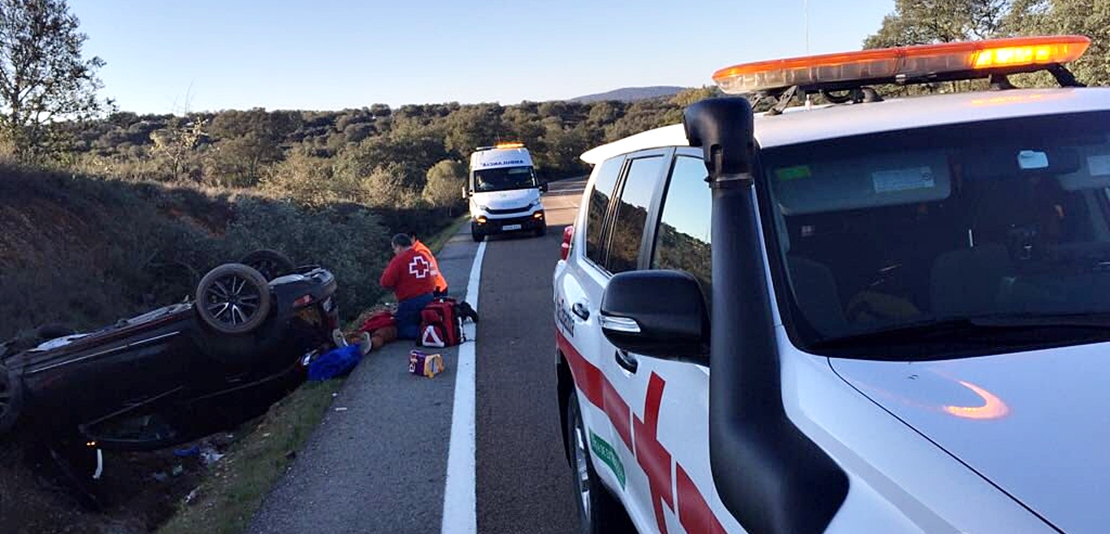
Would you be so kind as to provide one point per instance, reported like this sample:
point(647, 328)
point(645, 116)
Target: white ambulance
point(882, 315)
point(504, 192)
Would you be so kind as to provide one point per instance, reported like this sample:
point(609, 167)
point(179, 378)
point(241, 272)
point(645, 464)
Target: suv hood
point(1035, 424)
point(504, 200)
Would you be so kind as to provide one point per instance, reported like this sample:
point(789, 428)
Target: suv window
point(631, 217)
point(682, 242)
point(949, 240)
point(606, 180)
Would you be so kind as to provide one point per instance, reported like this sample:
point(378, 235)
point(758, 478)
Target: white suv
point(877, 316)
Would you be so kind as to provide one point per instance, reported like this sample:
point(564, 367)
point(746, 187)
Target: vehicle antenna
point(805, 10)
point(805, 15)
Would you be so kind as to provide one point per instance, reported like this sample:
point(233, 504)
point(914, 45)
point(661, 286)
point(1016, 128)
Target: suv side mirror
point(657, 313)
point(465, 193)
point(543, 186)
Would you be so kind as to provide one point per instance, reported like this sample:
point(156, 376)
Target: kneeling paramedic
point(441, 282)
point(411, 275)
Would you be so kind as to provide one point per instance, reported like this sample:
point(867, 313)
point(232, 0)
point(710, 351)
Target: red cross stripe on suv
point(693, 511)
point(419, 267)
point(650, 454)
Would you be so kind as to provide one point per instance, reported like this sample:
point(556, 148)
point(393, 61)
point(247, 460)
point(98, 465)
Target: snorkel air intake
point(770, 475)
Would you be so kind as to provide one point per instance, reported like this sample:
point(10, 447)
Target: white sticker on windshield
point(903, 180)
point(1099, 165)
point(1032, 160)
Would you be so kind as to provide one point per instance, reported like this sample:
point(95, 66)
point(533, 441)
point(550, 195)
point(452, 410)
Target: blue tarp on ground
point(334, 363)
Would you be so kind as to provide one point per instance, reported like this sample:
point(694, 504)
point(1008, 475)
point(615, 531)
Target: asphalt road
point(378, 461)
point(524, 483)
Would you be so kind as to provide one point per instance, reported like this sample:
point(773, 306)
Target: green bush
point(352, 245)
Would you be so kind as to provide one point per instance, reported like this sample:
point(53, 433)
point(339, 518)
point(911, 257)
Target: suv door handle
point(627, 361)
point(581, 311)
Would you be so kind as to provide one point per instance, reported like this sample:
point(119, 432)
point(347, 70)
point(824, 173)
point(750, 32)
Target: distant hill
point(630, 94)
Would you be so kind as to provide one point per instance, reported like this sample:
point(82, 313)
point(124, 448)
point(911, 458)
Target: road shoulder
point(376, 462)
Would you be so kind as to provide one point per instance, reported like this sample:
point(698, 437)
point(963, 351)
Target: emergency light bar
point(500, 146)
point(966, 60)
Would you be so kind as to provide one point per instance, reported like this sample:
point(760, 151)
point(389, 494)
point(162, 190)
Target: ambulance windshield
point(504, 178)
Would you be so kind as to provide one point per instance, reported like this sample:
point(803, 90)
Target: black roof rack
point(862, 91)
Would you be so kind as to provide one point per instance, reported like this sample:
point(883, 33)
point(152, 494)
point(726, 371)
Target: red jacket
point(441, 283)
point(410, 274)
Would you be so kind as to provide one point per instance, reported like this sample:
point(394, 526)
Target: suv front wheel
point(598, 511)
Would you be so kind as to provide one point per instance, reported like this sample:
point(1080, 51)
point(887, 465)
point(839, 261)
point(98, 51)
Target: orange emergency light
point(1017, 54)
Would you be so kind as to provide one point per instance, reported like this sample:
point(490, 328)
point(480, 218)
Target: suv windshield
point(949, 240)
point(504, 178)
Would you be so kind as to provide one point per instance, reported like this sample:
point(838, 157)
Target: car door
point(669, 400)
point(578, 289)
point(629, 218)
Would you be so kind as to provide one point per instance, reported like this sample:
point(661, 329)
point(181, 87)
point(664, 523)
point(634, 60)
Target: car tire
point(541, 231)
point(270, 263)
point(11, 399)
point(598, 511)
point(478, 237)
point(233, 299)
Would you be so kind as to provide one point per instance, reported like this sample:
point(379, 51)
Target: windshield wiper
point(977, 329)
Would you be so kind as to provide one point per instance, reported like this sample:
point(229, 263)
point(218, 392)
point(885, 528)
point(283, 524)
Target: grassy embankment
point(227, 500)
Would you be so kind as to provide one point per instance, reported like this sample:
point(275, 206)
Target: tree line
point(373, 155)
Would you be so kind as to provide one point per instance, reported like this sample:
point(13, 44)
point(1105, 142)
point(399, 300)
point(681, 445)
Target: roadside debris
point(209, 456)
point(192, 496)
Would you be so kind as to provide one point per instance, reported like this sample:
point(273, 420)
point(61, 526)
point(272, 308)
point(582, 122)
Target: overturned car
point(179, 372)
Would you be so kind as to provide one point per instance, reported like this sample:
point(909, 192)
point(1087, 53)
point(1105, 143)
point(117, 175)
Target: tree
point(412, 148)
point(248, 140)
point(444, 186)
point(1083, 17)
point(43, 76)
point(939, 21)
point(307, 180)
point(643, 115)
point(385, 188)
point(176, 146)
point(563, 147)
point(604, 113)
point(474, 126)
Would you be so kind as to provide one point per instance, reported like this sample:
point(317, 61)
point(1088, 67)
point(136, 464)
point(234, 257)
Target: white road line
point(460, 512)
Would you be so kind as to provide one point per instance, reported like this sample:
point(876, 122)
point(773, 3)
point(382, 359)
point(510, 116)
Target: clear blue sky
point(330, 54)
